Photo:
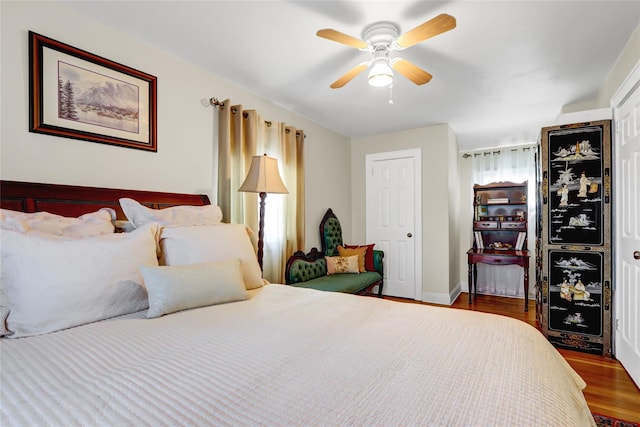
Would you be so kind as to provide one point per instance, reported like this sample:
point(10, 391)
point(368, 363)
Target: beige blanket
point(293, 357)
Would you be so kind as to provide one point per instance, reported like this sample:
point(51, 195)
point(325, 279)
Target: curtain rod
point(479, 153)
point(487, 152)
point(214, 102)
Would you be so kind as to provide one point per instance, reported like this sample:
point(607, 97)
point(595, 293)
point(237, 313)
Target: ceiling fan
point(380, 39)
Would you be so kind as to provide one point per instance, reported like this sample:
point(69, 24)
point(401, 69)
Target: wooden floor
point(610, 391)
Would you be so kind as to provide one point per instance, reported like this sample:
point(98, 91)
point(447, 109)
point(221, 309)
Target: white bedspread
point(291, 356)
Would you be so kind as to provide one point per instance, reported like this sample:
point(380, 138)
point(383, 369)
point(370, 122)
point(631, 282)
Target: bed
point(282, 356)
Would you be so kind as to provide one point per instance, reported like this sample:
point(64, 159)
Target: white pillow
point(4, 312)
point(90, 224)
point(180, 287)
point(213, 243)
point(55, 282)
point(174, 216)
point(123, 226)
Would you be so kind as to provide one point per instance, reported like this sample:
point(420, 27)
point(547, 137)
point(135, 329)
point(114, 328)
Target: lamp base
point(260, 254)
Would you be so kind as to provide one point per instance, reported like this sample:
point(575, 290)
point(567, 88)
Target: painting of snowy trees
point(90, 97)
point(77, 94)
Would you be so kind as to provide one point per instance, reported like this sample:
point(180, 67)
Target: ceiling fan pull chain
point(391, 94)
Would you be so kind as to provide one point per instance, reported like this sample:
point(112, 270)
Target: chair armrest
point(377, 261)
point(302, 267)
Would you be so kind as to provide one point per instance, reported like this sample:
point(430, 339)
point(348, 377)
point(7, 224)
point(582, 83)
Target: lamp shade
point(263, 177)
point(380, 74)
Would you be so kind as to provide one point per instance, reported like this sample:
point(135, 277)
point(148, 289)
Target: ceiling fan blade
point(343, 38)
point(431, 28)
point(411, 71)
point(349, 75)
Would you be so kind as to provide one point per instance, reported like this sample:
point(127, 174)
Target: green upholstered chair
point(310, 270)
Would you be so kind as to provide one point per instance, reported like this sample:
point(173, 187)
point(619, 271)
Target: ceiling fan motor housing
point(381, 33)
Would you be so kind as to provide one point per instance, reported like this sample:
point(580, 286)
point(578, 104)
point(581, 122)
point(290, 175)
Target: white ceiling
point(505, 71)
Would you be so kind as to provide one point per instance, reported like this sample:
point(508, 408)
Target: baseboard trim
point(441, 298)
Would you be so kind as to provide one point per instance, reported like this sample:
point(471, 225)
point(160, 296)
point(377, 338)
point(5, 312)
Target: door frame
point(416, 155)
point(631, 83)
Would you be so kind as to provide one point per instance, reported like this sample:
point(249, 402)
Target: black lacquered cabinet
point(574, 241)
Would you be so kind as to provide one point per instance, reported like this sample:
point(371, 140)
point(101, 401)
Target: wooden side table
point(497, 257)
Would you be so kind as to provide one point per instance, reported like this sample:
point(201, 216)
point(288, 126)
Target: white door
point(626, 105)
point(393, 218)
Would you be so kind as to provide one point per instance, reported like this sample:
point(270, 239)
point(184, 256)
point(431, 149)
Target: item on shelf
point(500, 246)
point(498, 201)
point(478, 239)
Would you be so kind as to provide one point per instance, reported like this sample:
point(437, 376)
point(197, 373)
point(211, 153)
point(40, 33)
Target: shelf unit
point(500, 217)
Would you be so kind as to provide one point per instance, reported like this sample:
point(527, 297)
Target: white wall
point(627, 59)
point(454, 216)
point(186, 134)
point(465, 239)
point(439, 177)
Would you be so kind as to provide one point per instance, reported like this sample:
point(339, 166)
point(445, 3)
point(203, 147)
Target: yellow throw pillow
point(360, 252)
point(340, 264)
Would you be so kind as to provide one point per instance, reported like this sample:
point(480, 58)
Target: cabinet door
point(577, 302)
point(576, 189)
point(575, 291)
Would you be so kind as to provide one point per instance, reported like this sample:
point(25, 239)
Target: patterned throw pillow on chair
point(340, 264)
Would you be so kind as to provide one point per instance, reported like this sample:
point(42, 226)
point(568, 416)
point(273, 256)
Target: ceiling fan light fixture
point(381, 74)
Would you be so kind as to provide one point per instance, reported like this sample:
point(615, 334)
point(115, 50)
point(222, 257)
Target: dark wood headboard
point(72, 200)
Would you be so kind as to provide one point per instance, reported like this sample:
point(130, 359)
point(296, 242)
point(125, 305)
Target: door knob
point(636, 255)
point(409, 235)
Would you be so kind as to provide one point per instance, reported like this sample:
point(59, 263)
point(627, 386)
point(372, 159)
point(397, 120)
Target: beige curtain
point(285, 223)
point(237, 141)
point(243, 134)
point(295, 209)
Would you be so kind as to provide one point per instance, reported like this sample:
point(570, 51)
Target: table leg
point(526, 288)
point(470, 282)
point(475, 280)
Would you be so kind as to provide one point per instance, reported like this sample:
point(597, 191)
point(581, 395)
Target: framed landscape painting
point(76, 94)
